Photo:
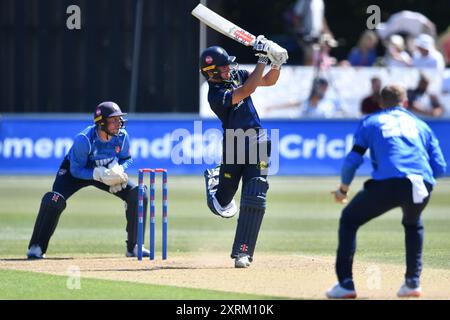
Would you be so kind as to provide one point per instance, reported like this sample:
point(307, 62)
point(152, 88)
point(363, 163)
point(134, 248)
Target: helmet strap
point(217, 74)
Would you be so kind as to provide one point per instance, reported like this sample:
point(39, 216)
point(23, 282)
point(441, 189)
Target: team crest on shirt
point(62, 172)
point(117, 149)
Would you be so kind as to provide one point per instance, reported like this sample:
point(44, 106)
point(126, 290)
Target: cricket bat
point(222, 25)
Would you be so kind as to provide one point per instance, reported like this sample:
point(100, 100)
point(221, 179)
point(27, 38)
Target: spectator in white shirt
point(426, 55)
point(406, 22)
point(446, 82)
point(396, 55)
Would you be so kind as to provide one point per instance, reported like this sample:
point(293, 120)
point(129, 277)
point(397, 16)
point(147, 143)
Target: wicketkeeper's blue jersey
point(89, 151)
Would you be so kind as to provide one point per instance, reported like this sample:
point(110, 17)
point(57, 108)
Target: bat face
point(222, 25)
point(241, 36)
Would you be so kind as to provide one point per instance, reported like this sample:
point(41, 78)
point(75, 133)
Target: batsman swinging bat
point(222, 25)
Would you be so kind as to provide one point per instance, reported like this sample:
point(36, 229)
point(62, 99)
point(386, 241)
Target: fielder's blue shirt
point(89, 151)
point(400, 144)
point(242, 115)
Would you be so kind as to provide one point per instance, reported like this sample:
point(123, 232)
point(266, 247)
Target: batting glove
point(261, 45)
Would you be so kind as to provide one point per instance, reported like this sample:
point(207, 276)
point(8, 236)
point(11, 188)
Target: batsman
point(99, 157)
point(246, 146)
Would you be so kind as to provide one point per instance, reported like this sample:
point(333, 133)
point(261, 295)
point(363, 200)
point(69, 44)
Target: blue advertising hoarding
point(187, 146)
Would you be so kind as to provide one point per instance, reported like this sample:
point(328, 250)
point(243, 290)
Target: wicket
point(141, 213)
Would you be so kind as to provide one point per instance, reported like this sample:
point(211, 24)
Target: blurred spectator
point(446, 82)
point(426, 55)
point(396, 55)
point(406, 22)
point(364, 55)
point(318, 105)
point(423, 103)
point(371, 103)
point(309, 23)
point(322, 59)
point(444, 43)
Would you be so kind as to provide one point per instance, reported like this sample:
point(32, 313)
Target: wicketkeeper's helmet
point(106, 110)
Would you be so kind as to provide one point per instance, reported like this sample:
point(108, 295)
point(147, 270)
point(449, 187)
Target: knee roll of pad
point(254, 194)
point(54, 200)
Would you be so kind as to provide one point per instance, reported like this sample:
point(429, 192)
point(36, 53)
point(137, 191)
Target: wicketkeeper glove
point(117, 187)
point(109, 177)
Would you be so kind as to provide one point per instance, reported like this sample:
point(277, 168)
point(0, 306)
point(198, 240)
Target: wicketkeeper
point(99, 157)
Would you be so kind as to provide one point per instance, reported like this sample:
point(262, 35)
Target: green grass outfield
point(301, 219)
point(19, 285)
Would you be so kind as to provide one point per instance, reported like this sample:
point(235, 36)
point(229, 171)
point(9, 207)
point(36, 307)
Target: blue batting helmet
point(214, 57)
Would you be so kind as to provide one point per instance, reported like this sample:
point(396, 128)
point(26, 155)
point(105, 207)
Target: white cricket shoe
point(35, 252)
point(407, 292)
point(242, 261)
point(228, 211)
point(145, 252)
point(338, 292)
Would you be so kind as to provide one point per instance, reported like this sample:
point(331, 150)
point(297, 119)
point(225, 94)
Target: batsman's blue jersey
point(400, 144)
point(89, 151)
point(242, 115)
